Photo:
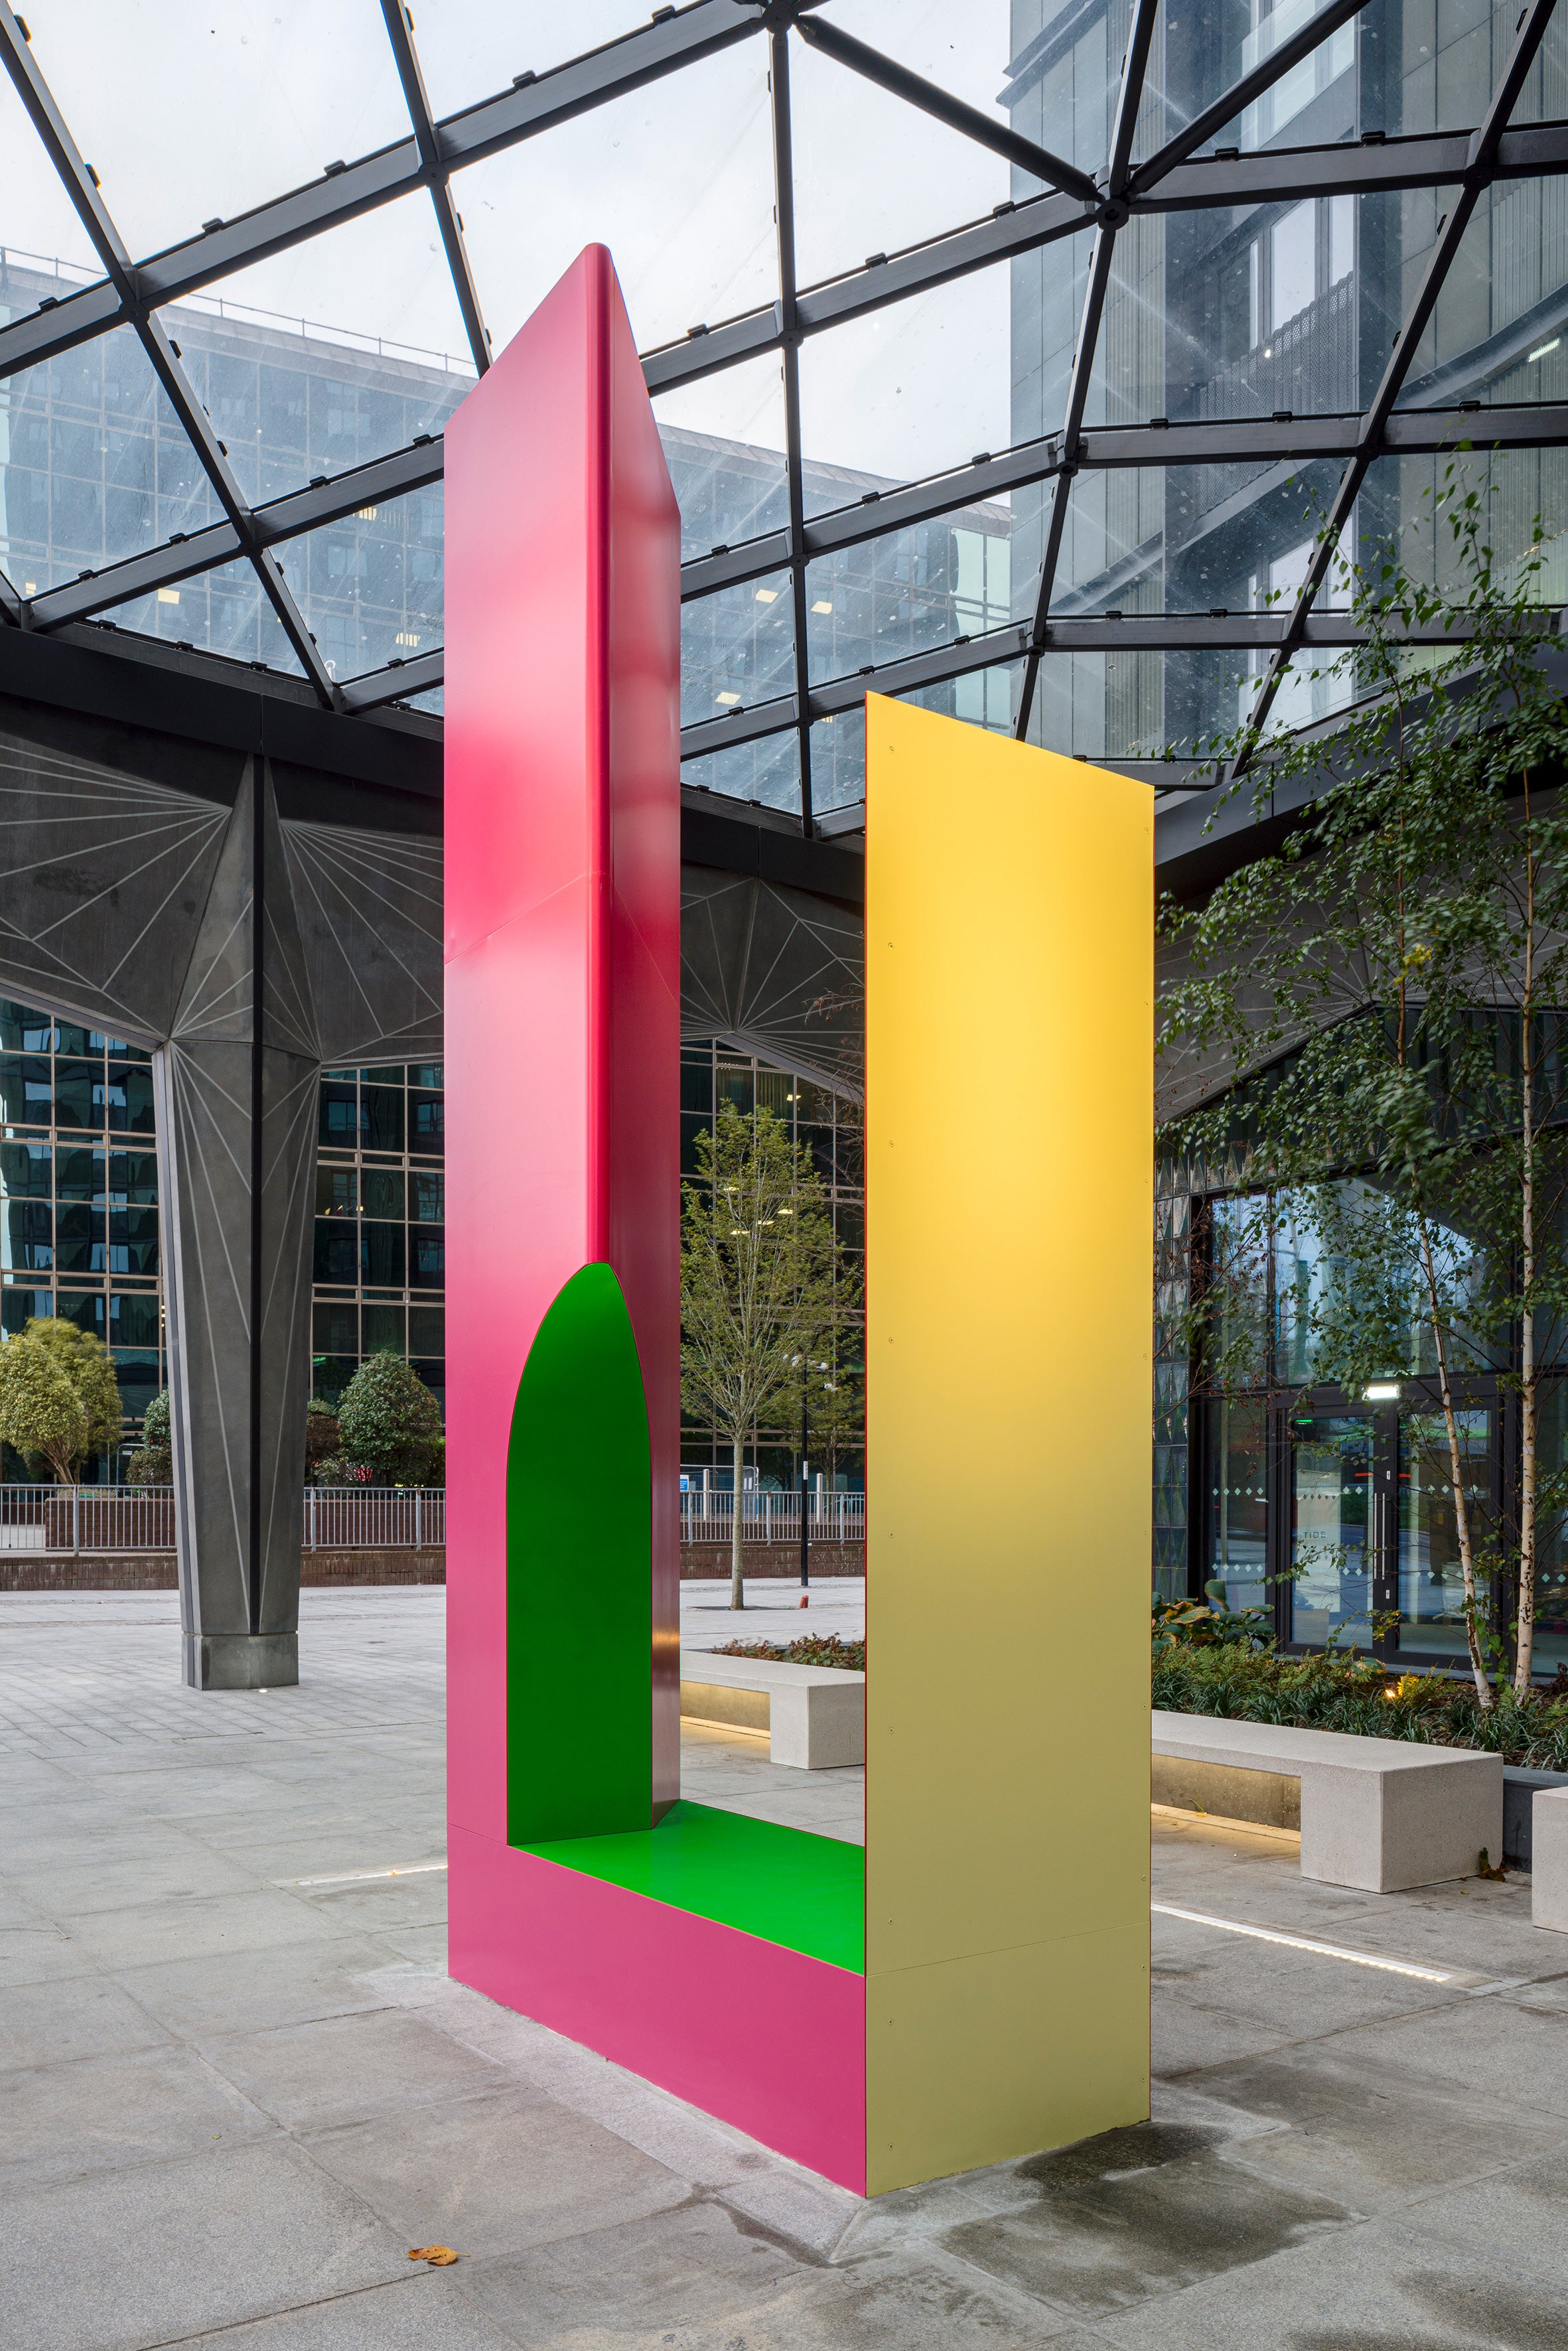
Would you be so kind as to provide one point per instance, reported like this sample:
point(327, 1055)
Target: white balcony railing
point(376, 1517)
point(772, 1516)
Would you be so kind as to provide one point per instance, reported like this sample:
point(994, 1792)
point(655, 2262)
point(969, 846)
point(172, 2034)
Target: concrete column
point(236, 1093)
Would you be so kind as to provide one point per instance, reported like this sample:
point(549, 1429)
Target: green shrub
point(60, 1400)
point(390, 1425)
point(1250, 1682)
point(153, 1462)
point(810, 1649)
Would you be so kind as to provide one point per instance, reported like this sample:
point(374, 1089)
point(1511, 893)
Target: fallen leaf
point(440, 2257)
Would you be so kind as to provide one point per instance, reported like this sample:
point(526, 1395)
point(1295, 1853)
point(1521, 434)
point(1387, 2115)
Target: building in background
point(94, 467)
point(1270, 310)
point(378, 1279)
point(828, 1122)
point(78, 1192)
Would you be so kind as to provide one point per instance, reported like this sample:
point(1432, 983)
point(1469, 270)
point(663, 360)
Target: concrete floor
point(237, 2085)
point(772, 1611)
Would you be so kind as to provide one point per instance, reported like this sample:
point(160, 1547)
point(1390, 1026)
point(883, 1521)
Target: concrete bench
point(814, 1714)
point(1549, 1859)
point(1380, 1814)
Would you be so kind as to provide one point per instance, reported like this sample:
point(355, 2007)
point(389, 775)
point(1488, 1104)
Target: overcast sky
point(189, 111)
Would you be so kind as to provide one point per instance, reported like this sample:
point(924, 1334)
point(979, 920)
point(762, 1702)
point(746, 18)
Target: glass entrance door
point(1341, 1483)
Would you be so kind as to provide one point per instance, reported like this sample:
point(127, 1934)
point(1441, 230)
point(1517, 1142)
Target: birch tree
point(762, 1286)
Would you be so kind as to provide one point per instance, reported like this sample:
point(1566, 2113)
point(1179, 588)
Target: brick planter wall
point(153, 1571)
point(773, 1559)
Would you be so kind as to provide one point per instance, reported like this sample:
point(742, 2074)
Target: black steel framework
point(1177, 178)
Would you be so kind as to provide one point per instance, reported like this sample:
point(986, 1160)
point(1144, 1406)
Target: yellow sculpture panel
point(1009, 1171)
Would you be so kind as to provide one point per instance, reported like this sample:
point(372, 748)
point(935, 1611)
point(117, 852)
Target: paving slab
point(497, 2175)
point(162, 2252)
point(129, 2107)
point(338, 2068)
point(50, 2023)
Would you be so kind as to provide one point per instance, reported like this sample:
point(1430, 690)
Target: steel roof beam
point(1241, 94)
point(399, 25)
point(1534, 151)
point(1025, 153)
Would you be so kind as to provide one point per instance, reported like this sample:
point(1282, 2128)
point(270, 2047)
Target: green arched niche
point(580, 1626)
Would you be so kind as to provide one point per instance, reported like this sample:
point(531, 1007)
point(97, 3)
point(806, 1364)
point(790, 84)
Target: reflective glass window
point(427, 1257)
point(381, 1115)
point(27, 1093)
point(1331, 1481)
point(78, 1093)
point(1431, 1581)
point(383, 1255)
point(426, 1124)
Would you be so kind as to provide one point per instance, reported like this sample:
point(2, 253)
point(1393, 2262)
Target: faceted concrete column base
point(219, 1661)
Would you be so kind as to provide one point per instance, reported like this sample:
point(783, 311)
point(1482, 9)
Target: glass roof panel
point(1265, 308)
point(1412, 496)
point(986, 697)
point(724, 442)
point(1196, 57)
point(1195, 538)
point(737, 648)
point(469, 49)
point(219, 105)
point(906, 390)
point(221, 611)
point(371, 586)
point(37, 219)
point(909, 591)
point(1129, 706)
point(1545, 93)
point(98, 466)
point(331, 354)
point(1047, 288)
point(874, 174)
point(1498, 329)
point(766, 773)
point(676, 179)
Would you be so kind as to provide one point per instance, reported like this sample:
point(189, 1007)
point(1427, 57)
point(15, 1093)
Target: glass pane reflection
point(1431, 1582)
point(1332, 1595)
point(1237, 1503)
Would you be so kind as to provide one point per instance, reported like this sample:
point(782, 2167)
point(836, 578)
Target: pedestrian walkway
point(237, 2084)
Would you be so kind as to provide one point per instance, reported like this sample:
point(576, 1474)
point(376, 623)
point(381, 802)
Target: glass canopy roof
point(1009, 354)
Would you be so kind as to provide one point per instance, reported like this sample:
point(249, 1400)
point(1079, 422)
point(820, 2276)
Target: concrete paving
point(236, 2084)
point(772, 1611)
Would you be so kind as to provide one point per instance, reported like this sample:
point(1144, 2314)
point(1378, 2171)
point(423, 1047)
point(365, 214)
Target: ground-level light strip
point(1306, 1943)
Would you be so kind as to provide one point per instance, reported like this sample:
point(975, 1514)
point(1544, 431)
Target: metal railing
point(86, 1518)
point(771, 1517)
point(374, 1518)
point(141, 1518)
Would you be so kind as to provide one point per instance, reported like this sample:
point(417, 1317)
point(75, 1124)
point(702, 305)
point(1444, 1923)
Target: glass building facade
point(78, 1192)
point(79, 1208)
point(380, 1266)
point(830, 1124)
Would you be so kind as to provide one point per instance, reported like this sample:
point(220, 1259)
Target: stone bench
point(814, 1714)
point(1379, 1813)
point(1549, 1859)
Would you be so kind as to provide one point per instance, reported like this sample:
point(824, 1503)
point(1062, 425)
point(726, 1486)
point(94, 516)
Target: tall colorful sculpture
point(970, 1986)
